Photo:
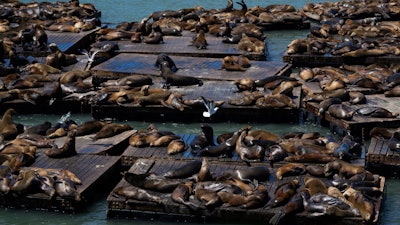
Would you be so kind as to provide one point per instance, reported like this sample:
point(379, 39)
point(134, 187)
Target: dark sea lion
point(135, 193)
point(199, 41)
point(381, 132)
point(66, 188)
point(393, 92)
point(316, 170)
point(155, 37)
point(375, 111)
point(204, 139)
point(26, 183)
point(222, 149)
point(164, 57)
point(324, 105)
point(341, 111)
point(290, 169)
point(7, 127)
point(110, 130)
point(294, 206)
point(151, 182)
point(315, 185)
point(276, 153)
point(284, 193)
point(38, 128)
point(259, 173)
point(187, 170)
point(89, 127)
point(182, 193)
point(67, 150)
point(177, 80)
point(6, 179)
point(230, 199)
point(208, 196)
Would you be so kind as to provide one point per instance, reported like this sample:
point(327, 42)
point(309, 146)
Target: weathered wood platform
point(98, 173)
point(106, 146)
point(69, 42)
point(122, 208)
point(381, 160)
point(359, 125)
point(182, 45)
point(204, 68)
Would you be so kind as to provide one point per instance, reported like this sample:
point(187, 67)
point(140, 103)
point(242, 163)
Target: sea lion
point(6, 179)
point(176, 146)
point(343, 169)
point(222, 149)
point(56, 173)
point(41, 68)
point(276, 153)
point(204, 173)
point(375, 111)
point(294, 206)
point(393, 92)
point(316, 170)
point(177, 80)
point(245, 84)
point(259, 173)
point(275, 101)
point(164, 57)
point(199, 41)
point(311, 158)
point(26, 183)
point(65, 187)
point(360, 202)
point(74, 75)
point(8, 129)
point(204, 139)
point(110, 130)
point(67, 150)
point(283, 193)
point(381, 132)
point(235, 63)
point(290, 169)
point(341, 111)
point(152, 182)
point(89, 127)
point(357, 97)
point(155, 37)
point(181, 195)
point(324, 105)
point(184, 171)
point(231, 199)
point(135, 193)
point(315, 185)
point(249, 153)
point(38, 128)
point(208, 196)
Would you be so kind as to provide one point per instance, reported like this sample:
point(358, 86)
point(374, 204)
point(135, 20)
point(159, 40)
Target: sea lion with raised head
point(67, 150)
point(8, 128)
point(172, 79)
point(182, 193)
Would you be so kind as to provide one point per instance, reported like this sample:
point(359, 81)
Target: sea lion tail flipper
point(166, 105)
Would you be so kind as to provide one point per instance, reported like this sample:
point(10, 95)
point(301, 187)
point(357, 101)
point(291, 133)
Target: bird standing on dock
point(210, 106)
point(90, 57)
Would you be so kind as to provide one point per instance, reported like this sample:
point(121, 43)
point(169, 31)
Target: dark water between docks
point(117, 11)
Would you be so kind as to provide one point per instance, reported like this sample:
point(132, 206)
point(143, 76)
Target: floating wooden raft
point(181, 45)
point(334, 60)
point(122, 208)
point(106, 146)
point(70, 42)
point(360, 126)
point(96, 172)
point(380, 159)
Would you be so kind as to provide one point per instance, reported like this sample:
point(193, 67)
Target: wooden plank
point(70, 42)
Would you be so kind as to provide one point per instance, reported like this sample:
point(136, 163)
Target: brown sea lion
point(341, 111)
point(204, 139)
point(357, 97)
point(343, 169)
point(176, 146)
point(375, 111)
point(290, 169)
point(394, 141)
point(63, 28)
point(74, 75)
point(110, 130)
point(231, 199)
point(208, 196)
point(276, 153)
point(204, 173)
point(283, 193)
point(324, 105)
point(89, 127)
point(381, 132)
point(249, 153)
point(315, 185)
point(57, 173)
point(360, 202)
point(25, 183)
point(316, 170)
point(311, 158)
point(186, 170)
point(40, 68)
point(294, 205)
point(259, 173)
point(182, 193)
point(151, 182)
point(164, 140)
point(199, 41)
point(172, 79)
point(7, 127)
point(6, 179)
point(245, 84)
point(67, 150)
point(135, 193)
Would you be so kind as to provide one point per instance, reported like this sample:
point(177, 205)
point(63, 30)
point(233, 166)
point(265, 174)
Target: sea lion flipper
point(166, 104)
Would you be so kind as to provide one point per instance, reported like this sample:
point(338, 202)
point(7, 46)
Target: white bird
point(90, 56)
point(210, 106)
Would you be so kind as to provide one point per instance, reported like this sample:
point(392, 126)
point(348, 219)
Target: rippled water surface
point(117, 11)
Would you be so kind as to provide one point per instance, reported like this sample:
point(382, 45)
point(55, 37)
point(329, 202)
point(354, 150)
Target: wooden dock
point(69, 42)
point(182, 45)
point(96, 172)
point(382, 160)
point(169, 210)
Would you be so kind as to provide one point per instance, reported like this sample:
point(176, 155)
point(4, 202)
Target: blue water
point(117, 11)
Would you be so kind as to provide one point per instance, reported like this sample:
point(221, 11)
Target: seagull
point(90, 56)
point(210, 106)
